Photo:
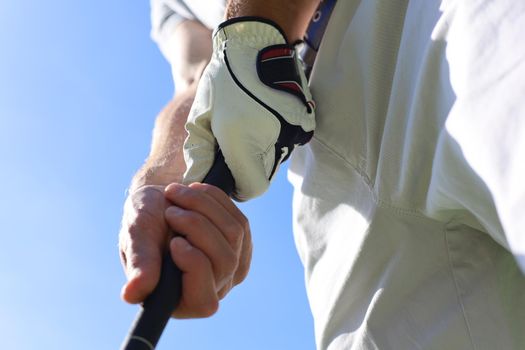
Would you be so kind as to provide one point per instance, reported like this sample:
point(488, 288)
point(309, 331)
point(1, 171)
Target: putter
point(156, 310)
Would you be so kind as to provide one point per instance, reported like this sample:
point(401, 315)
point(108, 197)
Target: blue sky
point(80, 85)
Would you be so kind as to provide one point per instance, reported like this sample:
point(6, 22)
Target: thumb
point(142, 264)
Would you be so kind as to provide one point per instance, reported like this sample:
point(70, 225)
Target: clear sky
point(80, 85)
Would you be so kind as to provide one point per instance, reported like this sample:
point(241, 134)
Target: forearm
point(190, 49)
point(165, 163)
point(292, 16)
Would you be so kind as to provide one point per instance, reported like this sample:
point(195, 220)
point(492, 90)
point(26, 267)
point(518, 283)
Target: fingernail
point(172, 188)
point(173, 211)
point(181, 244)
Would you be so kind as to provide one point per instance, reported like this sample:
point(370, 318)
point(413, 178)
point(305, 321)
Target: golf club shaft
point(150, 321)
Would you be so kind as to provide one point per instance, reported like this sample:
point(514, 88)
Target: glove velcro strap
point(277, 68)
point(253, 32)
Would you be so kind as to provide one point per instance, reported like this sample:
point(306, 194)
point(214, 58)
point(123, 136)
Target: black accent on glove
point(289, 135)
point(277, 68)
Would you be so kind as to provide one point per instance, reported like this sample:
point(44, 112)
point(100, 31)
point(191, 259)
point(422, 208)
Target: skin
point(214, 248)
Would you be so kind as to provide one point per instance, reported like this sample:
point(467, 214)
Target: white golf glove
point(252, 102)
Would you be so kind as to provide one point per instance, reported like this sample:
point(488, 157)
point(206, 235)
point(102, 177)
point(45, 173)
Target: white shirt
point(412, 192)
point(167, 14)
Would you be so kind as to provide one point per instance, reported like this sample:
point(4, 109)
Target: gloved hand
point(252, 102)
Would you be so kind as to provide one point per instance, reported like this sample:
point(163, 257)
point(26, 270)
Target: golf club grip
point(159, 305)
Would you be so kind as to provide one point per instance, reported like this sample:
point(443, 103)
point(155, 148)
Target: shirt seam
point(456, 287)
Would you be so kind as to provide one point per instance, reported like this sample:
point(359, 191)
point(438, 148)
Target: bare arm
point(189, 50)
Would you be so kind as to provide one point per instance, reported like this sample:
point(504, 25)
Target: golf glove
point(252, 102)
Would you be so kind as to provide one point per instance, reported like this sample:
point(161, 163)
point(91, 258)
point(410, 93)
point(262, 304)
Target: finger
point(224, 200)
point(142, 258)
point(205, 236)
point(246, 248)
point(142, 238)
point(245, 259)
point(206, 201)
point(199, 297)
point(243, 267)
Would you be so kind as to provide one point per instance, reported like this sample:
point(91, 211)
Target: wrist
point(292, 16)
point(155, 175)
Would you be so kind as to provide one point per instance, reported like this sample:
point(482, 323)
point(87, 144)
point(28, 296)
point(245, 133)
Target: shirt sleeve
point(167, 14)
point(481, 152)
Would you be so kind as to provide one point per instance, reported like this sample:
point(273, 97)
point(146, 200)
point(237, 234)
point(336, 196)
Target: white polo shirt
point(412, 192)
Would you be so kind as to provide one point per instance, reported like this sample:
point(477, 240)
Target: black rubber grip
point(156, 311)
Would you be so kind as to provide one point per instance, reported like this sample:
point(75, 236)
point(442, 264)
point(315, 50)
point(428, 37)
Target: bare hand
point(143, 237)
point(213, 251)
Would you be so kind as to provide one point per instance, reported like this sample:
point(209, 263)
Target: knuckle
point(244, 266)
point(244, 222)
point(203, 187)
point(211, 190)
point(227, 265)
point(209, 308)
point(241, 274)
point(231, 261)
point(235, 233)
point(225, 290)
